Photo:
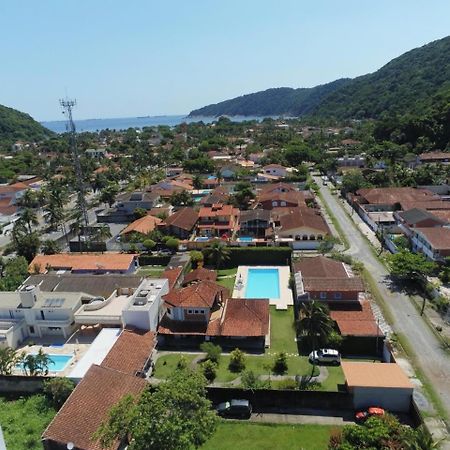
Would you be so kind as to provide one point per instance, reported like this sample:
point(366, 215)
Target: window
point(323, 295)
point(338, 295)
point(31, 330)
point(190, 311)
point(283, 203)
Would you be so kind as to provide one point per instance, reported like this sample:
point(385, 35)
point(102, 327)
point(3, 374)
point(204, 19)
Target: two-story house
point(218, 220)
point(255, 223)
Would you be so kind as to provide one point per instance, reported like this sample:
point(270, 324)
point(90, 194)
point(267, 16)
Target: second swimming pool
point(263, 283)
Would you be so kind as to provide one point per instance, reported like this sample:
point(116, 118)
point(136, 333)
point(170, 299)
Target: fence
point(18, 384)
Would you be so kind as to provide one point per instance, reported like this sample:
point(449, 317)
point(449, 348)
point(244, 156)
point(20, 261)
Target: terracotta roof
point(184, 218)
point(320, 266)
point(200, 274)
point(293, 197)
point(88, 406)
point(218, 210)
point(443, 215)
point(400, 195)
point(438, 237)
point(331, 284)
point(434, 155)
point(199, 295)
point(172, 275)
point(377, 375)
point(303, 217)
point(144, 225)
point(255, 214)
point(245, 317)
point(6, 208)
point(278, 186)
point(131, 351)
point(417, 215)
point(88, 262)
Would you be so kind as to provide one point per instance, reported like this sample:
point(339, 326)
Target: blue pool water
point(263, 283)
point(58, 362)
point(202, 239)
point(245, 239)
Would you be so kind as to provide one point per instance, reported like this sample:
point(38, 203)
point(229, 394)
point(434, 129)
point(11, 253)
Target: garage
point(378, 384)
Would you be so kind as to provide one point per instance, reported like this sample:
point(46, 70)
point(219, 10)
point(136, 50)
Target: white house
point(95, 153)
point(276, 170)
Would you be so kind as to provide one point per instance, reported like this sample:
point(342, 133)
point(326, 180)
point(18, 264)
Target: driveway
point(432, 360)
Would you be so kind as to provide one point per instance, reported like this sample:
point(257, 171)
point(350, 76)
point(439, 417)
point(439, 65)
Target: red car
point(362, 416)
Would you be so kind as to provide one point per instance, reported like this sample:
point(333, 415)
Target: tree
point(172, 244)
point(14, 272)
point(280, 365)
point(175, 416)
point(149, 244)
point(352, 181)
point(197, 182)
point(327, 244)
point(209, 369)
point(58, 390)
point(102, 233)
point(29, 217)
point(35, 365)
point(109, 193)
point(409, 266)
point(315, 323)
point(212, 351)
point(217, 253)
point(237, 361)
point(8, 360)
point(196, 257)
point(23, 242)
point(50, 247)
point(182, 198)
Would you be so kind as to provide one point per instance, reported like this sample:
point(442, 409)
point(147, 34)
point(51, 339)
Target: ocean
point(59, 126)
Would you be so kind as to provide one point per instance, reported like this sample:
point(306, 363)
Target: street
point(430, 358)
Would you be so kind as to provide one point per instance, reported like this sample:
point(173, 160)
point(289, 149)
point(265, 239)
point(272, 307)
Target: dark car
point(235, 408)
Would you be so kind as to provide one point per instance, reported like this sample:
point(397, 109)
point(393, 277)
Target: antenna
point(67, 106)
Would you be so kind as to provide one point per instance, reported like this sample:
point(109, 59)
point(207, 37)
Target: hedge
point(153, 260)
point(259, 256)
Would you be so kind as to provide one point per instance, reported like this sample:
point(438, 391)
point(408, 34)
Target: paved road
point(430, 357)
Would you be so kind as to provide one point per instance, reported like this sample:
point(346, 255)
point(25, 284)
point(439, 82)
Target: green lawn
point(150, 271)
point(166, 364)
point(335, 377)
point(252, 436)
point(226, 278)
point(282, 332)
point(24, 420)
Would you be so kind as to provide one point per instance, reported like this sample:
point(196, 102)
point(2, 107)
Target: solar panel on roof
point(53, 302)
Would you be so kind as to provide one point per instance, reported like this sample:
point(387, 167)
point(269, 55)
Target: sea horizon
point(123, 123)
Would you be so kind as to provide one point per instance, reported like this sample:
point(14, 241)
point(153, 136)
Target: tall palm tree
point(217, 253)
point(315, 323)
point(102, 233)
point(29, 217)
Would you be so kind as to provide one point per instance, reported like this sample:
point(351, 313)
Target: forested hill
point(272, 102)
point(404, 85)
point(16, 125)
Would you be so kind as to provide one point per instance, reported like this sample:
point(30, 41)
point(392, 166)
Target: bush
point(149, 244)
point(288, 384)
point(334, 340)
point(237, 361)
point(196, 257)
point(182, 363)
point(172, 243)
point(209, 370)
point(250, 381)
point(212, 351)
point(57, 390)
point(280, 365)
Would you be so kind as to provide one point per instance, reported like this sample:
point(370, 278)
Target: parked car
point(325, 355)
point(165, 252)
point(235, 408)
point(362, 416)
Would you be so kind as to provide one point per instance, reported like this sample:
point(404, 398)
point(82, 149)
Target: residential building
point(301, 228)
point(218, 220)
point(199, 274)
point(255, 223)
point(228, 172)
point(434, 157)
point(96, 153)
point(117, 263)
point(433, 242)
point(276, 170)
point(180, 223)
point(142, 226)
point(218, 195)
point(351, 161)
point(418, 218)
point(130, 201)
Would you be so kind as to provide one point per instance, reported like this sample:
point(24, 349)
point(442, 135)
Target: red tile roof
point(320, 266)
point(329, 284)
point(144, 225)
point(88, 406)
point(199, 295)
point(402, 195)
point(292, 197)
point(185, 218)
point(172, 275)
point(438, 237)
point(131, 351)
point(200, 274)
point(303, 218)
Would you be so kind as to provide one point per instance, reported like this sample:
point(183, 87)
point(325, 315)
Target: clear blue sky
point(136, 57)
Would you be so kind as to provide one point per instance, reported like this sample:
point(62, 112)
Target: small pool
point(263, 283)
point(57, 362)
point(245, 239)
point(202, 239)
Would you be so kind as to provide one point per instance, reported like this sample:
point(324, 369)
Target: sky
point(146, 57)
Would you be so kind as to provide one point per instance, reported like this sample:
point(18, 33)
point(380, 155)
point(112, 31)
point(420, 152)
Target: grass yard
point(251, 436)
point(24, 420)
point(150, 271)
point(282, 331)
point(166, 364)
point(335, 377)
point(226, 278)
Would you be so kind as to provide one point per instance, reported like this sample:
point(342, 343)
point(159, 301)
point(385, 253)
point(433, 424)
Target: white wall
point(392, 399)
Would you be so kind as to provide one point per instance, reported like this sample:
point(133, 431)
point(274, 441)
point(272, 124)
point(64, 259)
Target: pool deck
point(286, 299)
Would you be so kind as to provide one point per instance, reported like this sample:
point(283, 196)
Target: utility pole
point(67, 106)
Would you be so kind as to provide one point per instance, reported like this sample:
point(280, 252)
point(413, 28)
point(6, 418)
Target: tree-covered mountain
point(16, 125)
point(404, 85)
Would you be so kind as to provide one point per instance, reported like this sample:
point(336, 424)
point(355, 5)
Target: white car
point(325, 355)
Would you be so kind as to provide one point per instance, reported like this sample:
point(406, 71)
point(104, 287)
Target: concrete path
point(306, 416)
point(433, 361)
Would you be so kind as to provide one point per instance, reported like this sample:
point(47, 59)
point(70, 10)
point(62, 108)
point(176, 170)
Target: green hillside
point(16, 125)
point(277, 101)
point(404, 85)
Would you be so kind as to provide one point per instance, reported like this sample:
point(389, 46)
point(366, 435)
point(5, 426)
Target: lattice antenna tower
point(67, 106)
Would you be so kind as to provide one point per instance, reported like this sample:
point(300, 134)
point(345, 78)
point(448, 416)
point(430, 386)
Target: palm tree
point(29, 217)
point(217, 253)
point(197, 182)
point(50, 247)
point(315, 323)
point(102, 233)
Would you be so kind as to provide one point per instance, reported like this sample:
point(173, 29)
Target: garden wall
point(21, 384)
point(153, 260)
point(267, 399)
point(259, 256)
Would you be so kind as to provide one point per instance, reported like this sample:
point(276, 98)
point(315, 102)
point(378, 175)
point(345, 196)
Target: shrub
point(149, 244)
point(172, 243)
point(334, 340)
point(209, 370)
point(196, 257)
point(280, 365)
point(212, 351)
point(288, 385)
point(237, 361)
point(181, 364)
point(57, 390)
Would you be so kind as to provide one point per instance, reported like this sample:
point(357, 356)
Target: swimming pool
point(263, 283)
point(202, 239)
point(245, 239)
point(57, 362)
